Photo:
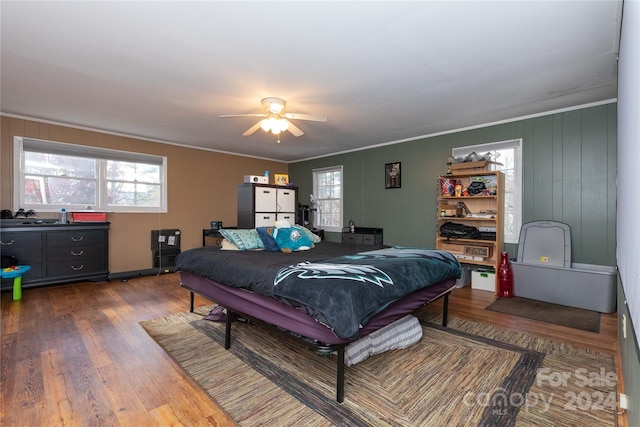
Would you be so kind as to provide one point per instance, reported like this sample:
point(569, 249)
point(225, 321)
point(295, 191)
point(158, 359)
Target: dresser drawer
point(79, 253)
point(75, 268)
point(20, 240)
point(75, 238)
point(289, 216)
point(372, 239)
point(25, 256)
point(352, 238)
point(265, 219)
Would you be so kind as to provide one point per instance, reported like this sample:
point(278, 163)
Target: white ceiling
point(381, 71)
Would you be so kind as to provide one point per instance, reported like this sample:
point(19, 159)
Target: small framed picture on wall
point(392, 177)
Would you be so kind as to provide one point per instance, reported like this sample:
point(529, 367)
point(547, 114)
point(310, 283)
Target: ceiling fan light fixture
point(274, 125)
point(275, 119)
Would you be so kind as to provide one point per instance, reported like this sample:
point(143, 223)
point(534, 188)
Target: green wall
point(569, 174)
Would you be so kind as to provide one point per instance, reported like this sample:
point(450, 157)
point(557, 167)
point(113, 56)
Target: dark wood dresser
point(57, 253)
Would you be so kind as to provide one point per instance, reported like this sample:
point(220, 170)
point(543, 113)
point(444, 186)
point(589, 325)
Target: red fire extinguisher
point(505, 277)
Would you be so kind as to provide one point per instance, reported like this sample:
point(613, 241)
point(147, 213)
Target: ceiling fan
point(276, 119)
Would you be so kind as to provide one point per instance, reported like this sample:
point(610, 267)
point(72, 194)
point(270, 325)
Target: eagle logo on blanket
point(358, 267)
point(360, 273)
point(344, 291)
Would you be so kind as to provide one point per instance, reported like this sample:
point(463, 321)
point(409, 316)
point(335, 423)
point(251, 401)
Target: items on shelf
point(470, 219)
point(472, 162)
point(480, 185)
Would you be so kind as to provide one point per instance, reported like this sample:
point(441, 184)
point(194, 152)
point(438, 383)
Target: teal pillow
point(244, 239)
point(291, 239)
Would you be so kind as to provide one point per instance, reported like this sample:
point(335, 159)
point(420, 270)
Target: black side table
point(215, 234)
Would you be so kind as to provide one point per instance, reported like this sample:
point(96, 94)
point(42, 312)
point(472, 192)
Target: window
point(509, 154)
point(51, 175)
point(327, 202)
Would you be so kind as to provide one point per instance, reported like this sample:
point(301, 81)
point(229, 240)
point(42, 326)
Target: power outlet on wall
point(623, 401)
point(624, 326)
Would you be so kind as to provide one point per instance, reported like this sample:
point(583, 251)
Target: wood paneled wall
point(569, 176)
point(201, 187)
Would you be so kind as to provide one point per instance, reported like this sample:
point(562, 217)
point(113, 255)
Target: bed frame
point(313, 333)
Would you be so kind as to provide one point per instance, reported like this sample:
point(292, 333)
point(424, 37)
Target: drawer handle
point(77, 239)
point(74, 268)
point(76, 254)
point(6, 243)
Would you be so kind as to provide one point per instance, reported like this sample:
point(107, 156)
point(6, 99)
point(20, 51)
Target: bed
point(329, 296)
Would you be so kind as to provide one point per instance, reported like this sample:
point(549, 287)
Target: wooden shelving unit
point(480, 252)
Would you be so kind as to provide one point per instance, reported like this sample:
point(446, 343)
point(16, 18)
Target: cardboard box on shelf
point(474, 250)
point(469, 166)
point(453, 248)
point(466, 167)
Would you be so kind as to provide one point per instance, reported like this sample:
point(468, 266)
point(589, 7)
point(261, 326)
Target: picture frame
point(281, 179)
point(392, 175)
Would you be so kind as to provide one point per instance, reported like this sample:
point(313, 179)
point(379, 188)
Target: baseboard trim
point(126, 275)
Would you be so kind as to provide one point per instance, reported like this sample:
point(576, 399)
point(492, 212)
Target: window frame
point(101, 155)
point(314, 208)
point(515, 144)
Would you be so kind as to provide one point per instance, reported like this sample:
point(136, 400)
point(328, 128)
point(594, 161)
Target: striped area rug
point(468, 374)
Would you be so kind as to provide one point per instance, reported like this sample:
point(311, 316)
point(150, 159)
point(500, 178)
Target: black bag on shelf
point(454, 230)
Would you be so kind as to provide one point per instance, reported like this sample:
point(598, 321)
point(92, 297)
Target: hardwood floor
point(75, 355)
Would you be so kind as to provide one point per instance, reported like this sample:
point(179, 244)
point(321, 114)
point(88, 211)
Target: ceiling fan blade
point(311, 117)
point(226, 116)
point(295, 130)
point(252, 129)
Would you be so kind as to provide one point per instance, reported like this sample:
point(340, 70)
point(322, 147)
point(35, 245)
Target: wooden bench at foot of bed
point(314, 334)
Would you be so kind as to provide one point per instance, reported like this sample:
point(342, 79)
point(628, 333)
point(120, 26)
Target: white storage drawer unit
point(261, 205)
